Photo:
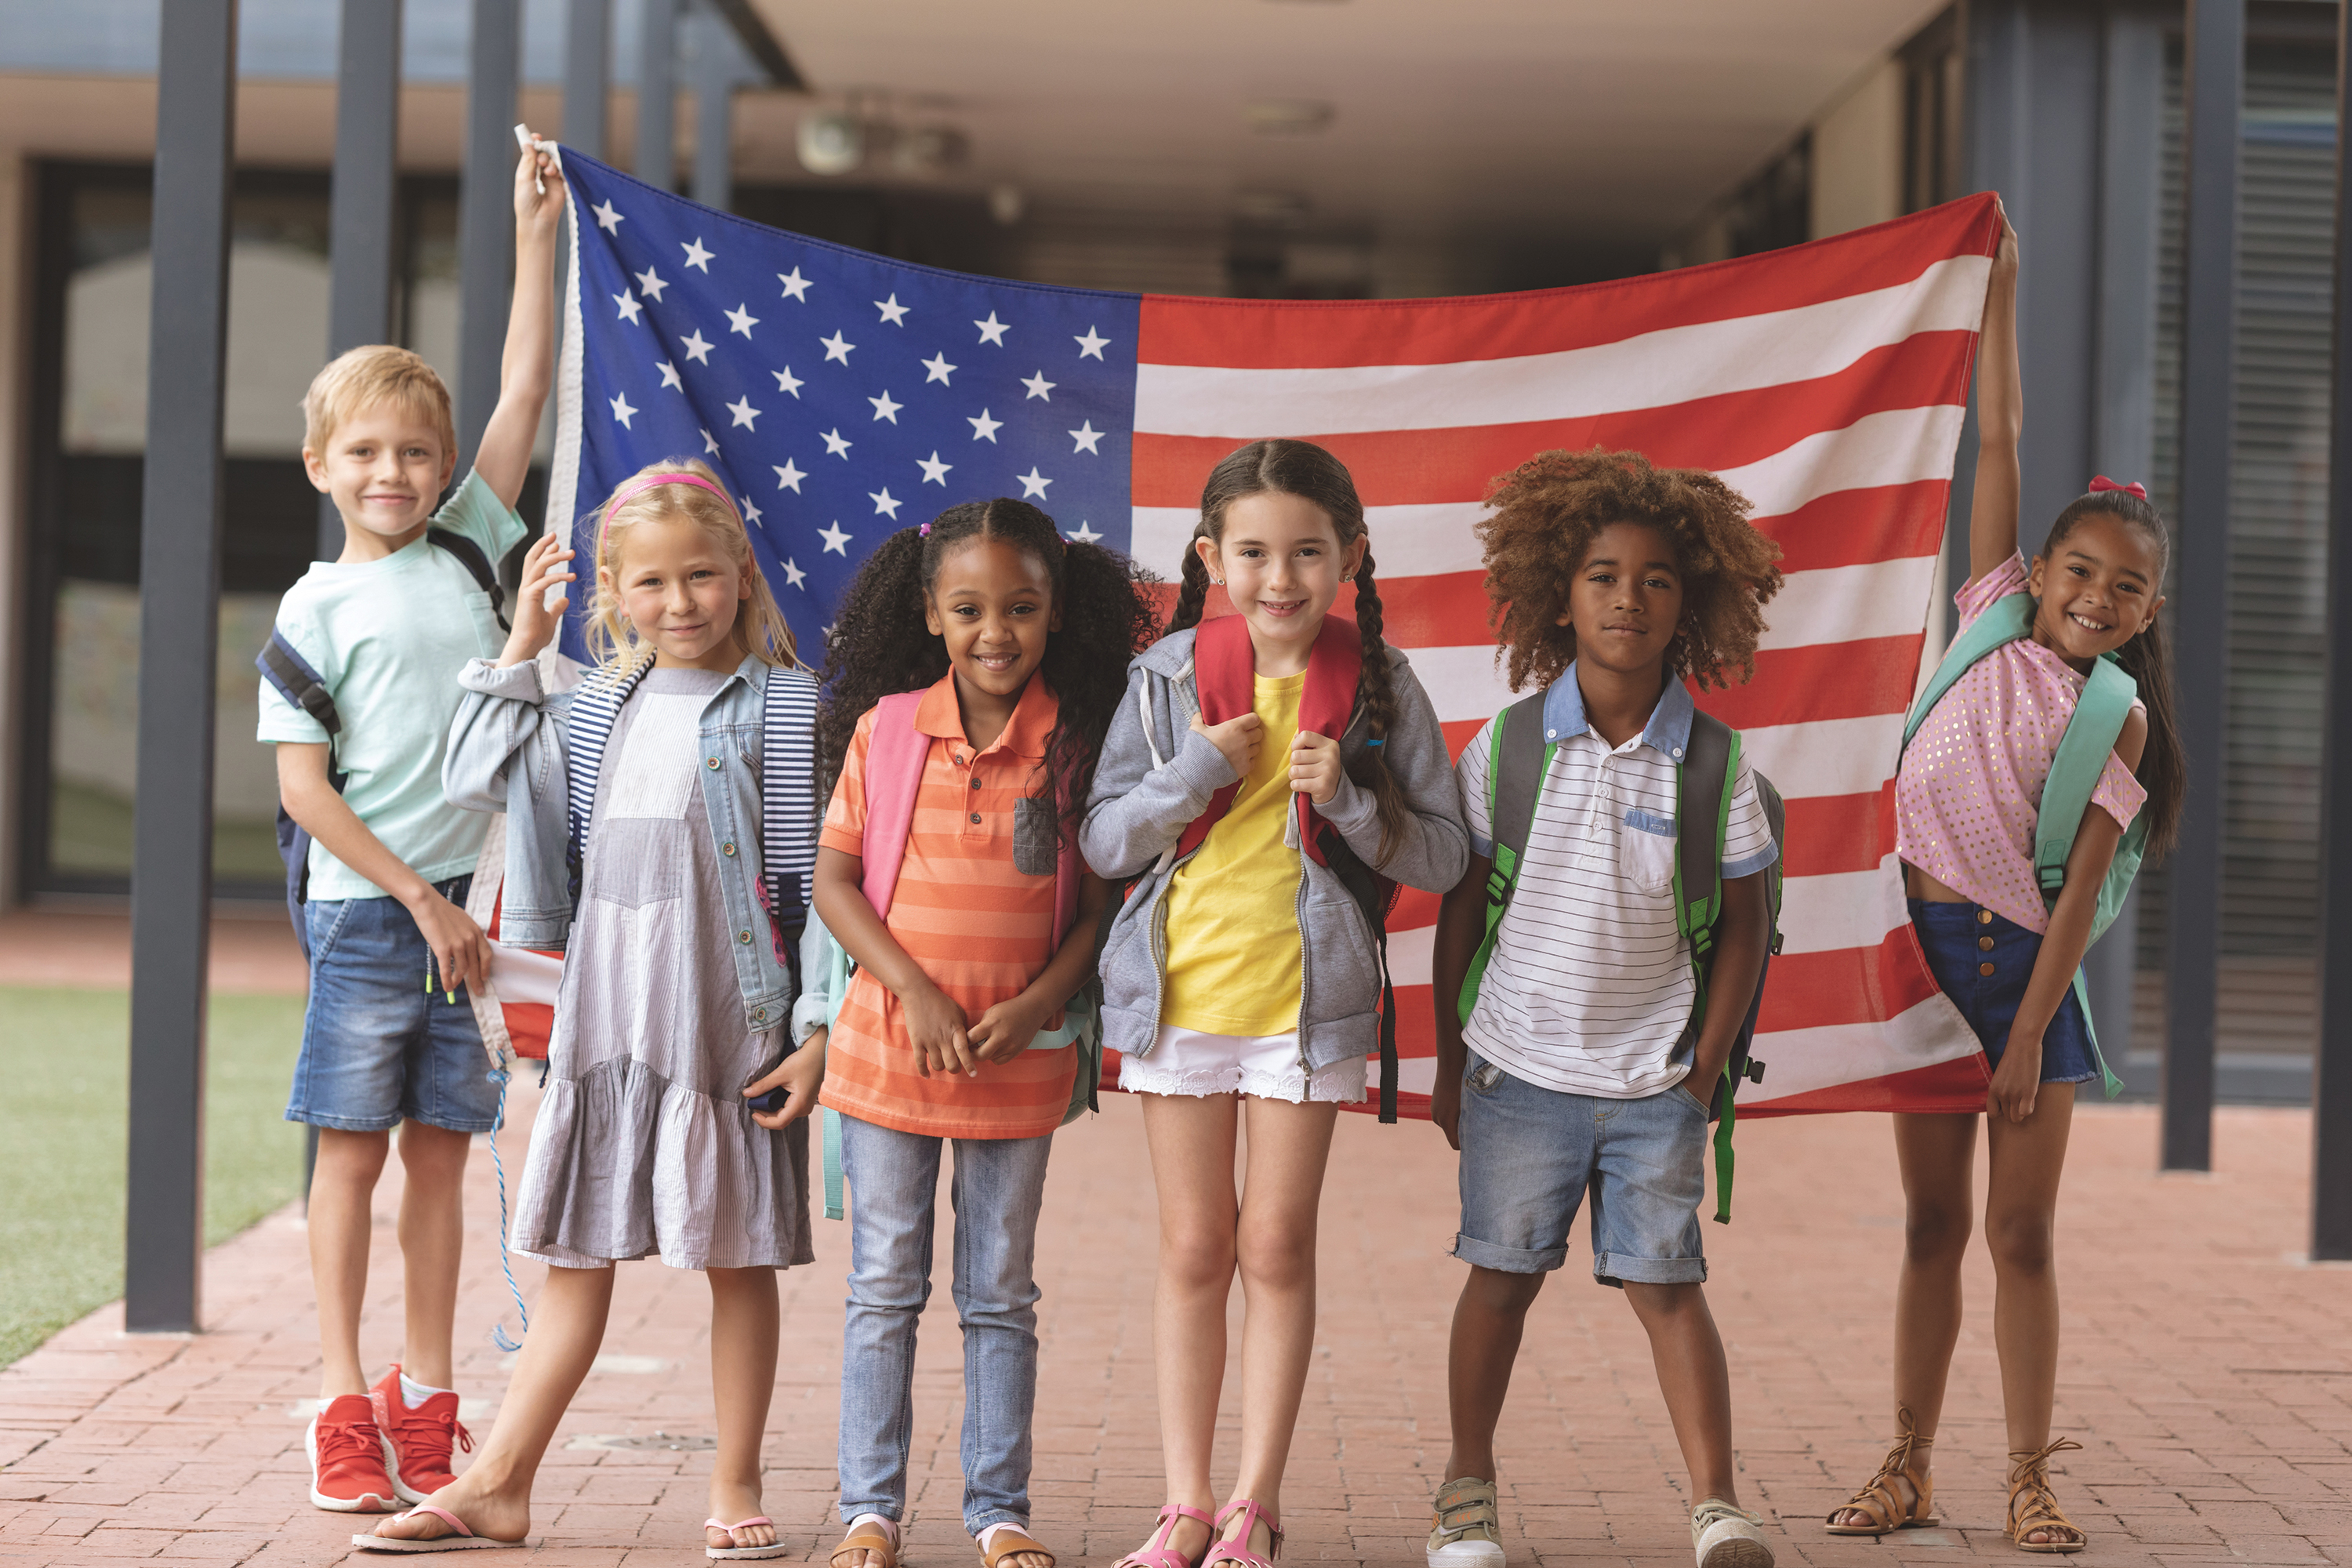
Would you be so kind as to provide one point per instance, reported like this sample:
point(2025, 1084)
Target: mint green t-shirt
point(387, 639)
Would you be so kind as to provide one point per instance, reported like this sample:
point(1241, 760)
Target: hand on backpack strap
point(1315, 770)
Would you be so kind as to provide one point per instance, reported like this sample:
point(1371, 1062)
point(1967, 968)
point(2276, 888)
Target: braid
point(1193, 596)
point(1376, 693)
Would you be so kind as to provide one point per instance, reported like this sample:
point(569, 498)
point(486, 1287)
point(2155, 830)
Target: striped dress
point(974, 907)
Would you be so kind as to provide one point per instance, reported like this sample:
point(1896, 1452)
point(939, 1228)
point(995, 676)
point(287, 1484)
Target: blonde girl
point(636, 805)
point(1265, 1005)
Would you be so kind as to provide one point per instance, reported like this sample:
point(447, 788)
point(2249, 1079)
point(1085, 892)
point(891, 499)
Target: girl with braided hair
point(1260, 764)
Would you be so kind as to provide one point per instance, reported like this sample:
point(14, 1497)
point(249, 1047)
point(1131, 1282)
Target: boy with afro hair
point(1580, 1064)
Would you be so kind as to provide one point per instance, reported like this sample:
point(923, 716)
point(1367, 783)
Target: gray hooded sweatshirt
point(1157, 774)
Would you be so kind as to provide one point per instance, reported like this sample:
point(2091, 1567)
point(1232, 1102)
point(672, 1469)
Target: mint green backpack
point(2091, 735)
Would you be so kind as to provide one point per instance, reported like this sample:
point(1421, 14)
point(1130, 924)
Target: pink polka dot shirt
point(1970, 784)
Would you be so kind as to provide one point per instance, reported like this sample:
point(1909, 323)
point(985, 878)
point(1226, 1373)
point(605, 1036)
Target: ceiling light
point(929, 149)
point(831, 142)
point(1006, 203)
point(1286, 116)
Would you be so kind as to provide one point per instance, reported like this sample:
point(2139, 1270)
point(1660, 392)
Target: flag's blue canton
point(840, 395)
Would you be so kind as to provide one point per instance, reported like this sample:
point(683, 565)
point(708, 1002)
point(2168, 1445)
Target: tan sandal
point(2028, 1478)
point(1008, 1542)
point(883, 1545)
point(1880, 1500)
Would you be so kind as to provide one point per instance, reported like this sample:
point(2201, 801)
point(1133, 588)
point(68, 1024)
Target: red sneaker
point(419, 1441)
point(350, 1459)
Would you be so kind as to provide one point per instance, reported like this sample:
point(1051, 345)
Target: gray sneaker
point(1467, 1530)
point(1727, 1537)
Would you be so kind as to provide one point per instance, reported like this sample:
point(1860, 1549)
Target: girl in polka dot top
point(1965, 800)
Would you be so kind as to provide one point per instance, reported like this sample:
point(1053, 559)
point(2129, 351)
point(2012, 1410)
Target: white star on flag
point(837, 347)
point(1090, 346)
point(606, 218)
point(1085, 436)
point(743, 411)
point(741, 319)
point(939, 370)
point(834, 446)
point(993, 331)
point(1039, 386)
point(651, 282)
point(750, 511)
point(787, 382)
point(1033, 484)
point(883, 503)
point(622, 411)
point(697, 256)
point(628, 306)
point(835, 540)
point(710, 444)
point(1085, 535)
point(984, 429)
point(696, 347)
point(934, 471)
point(795, 286)
point(669, 374)
point(793, 575)
point(892, 312)
point(789, 477)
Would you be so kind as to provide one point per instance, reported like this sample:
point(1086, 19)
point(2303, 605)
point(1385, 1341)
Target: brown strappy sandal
point(2029, 1477)
point(1882, 1501)
point(882, 1543)
point(1009, 1542)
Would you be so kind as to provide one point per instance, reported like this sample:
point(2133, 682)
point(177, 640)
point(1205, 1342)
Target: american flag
point(842, 396)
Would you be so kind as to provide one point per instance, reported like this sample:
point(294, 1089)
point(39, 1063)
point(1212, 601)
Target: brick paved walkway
point(2207, 1372)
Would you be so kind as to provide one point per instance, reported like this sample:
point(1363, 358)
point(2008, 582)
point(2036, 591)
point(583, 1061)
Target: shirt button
point(727, 848)
point(759, 1014)
point(975, 783)
point(1984, 917)
point(1985, 942)
point(1984, 969)
point(975, 816)
point(743, 936)
point(710, 762)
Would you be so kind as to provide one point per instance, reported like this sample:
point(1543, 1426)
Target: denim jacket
point(511, 749)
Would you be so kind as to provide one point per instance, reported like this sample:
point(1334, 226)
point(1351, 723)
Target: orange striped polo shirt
point(981, 929)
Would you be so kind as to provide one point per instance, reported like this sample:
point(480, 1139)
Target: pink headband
point(2102, 482)
point(603, 522)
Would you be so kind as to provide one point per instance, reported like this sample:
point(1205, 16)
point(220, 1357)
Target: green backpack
point(2081, 756)
point(1516, 763)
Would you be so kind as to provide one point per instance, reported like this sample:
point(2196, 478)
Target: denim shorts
point(1964, 940)
point(377, 1051)
point(1529, 1155)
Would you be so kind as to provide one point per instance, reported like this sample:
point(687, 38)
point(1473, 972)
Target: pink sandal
point(1156, 1553)
point(775, 1548)
point(1237, 1549)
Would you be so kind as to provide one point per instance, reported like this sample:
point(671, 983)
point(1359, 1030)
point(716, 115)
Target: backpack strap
point(895, 755)
point(1224, 670)
point(1518, 757)
point(291, 675)
point(2100, 714)
point(2005, 620)
point(1702, 818)
point(470, 556)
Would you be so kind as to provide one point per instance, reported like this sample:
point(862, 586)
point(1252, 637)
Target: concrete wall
point(1858, 155)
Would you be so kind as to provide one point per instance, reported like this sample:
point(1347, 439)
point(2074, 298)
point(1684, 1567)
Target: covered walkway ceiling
point(1570, 126)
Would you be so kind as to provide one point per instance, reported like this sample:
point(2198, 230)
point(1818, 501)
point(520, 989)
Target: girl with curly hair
point(1263, 763)
point(1583, 1058)
point(978, 656)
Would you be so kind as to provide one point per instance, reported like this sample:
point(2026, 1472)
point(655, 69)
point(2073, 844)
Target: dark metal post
point(656, 161)
point(2331, 1090)
point(587, 75)
point(714, 109)
point(360, 223)
point(486, 213)
point(2200, 578)
point(179, 563)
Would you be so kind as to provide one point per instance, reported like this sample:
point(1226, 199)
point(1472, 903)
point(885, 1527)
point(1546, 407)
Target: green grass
point(64, 1062)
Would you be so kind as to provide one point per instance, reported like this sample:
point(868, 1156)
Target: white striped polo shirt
point(1590, 984)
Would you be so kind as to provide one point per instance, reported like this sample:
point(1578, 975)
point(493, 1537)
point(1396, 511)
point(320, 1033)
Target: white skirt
point(1188, 1062)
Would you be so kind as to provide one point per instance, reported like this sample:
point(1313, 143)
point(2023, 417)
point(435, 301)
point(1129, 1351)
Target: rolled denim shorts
point(377, 1048)
point(1529, 1155)
point(1983, 961)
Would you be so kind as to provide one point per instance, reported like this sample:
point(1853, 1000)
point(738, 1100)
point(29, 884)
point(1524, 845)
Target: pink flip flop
point(1156, 1553)
point(464, 1540)
point(775, 1548)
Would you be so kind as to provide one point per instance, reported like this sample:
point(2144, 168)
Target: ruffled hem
point(626, 1164)
point(1342, 1083)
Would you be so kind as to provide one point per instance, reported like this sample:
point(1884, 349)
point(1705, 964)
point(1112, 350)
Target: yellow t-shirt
point(1233, 910)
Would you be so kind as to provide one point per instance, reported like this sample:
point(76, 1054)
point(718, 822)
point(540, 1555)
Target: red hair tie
point(2102, 482)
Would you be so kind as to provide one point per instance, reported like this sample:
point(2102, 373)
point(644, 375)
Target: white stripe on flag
point(1654, 370)
point(1800, 1061)
point(1849, 604)
point(1899, 446)
point(523, 975)
point(1841, 910)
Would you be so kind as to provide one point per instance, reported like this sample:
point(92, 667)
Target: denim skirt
point(1983, 962)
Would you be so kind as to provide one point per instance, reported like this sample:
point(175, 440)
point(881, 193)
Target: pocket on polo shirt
point(1645, 851)
point(1037, 838)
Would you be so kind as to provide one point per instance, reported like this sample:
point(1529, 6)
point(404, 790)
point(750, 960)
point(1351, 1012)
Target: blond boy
point(390, 1040)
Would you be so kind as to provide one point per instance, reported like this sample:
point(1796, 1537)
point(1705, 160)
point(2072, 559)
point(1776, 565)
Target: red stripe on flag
point(1831, 835)
point(1858, 680)
point(1399, 468)
point(1846, 986)
point(1260, 334)
point(1945, 1089)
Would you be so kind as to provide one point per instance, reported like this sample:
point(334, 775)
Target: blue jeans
point(894, 1180)
point(377, 1047)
